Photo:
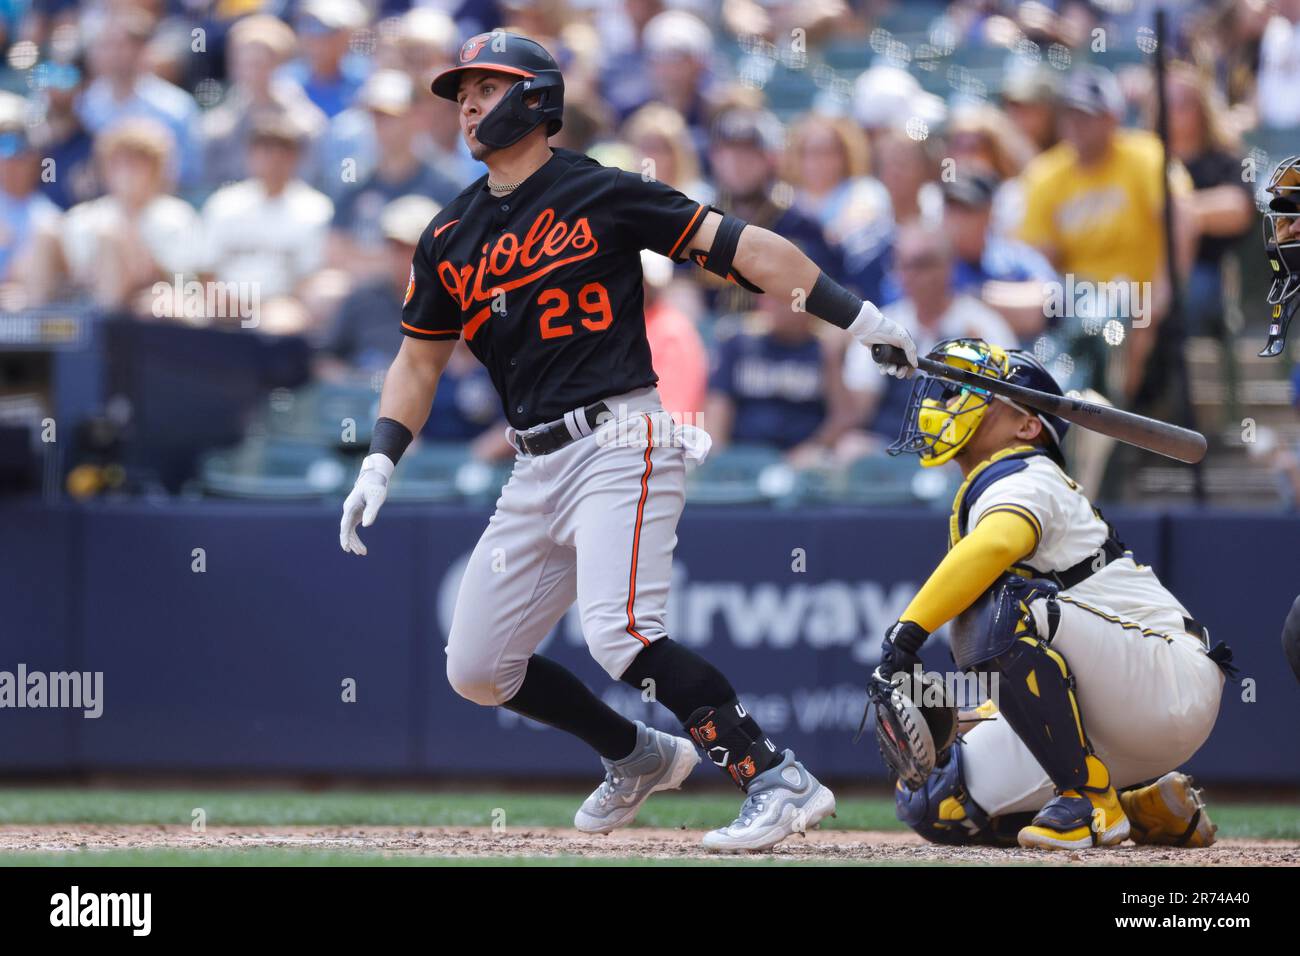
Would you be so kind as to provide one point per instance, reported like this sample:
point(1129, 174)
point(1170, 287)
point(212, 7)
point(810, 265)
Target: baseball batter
point(537, 266)
point(1103, 679)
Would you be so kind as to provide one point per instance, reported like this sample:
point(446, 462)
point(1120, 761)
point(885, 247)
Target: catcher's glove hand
point(899, 648)
point(916, 724)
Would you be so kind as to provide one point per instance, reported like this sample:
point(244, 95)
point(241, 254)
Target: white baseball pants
point(1149, 701)
point(594, 521)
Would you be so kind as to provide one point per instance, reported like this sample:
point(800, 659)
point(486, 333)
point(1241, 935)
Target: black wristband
point(390, 437)
point(831, 301)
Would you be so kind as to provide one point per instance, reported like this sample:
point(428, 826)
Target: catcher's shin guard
point(1035, 694)
point(733, 741)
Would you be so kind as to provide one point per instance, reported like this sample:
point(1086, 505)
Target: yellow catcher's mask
point(942, 416)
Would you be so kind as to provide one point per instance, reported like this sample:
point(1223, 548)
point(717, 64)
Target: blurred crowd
point(291, 149)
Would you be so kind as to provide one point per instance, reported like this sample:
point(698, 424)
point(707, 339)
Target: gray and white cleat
point(659, 762)
point(781, 800)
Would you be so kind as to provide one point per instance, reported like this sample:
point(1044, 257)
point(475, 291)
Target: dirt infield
point(828, 846)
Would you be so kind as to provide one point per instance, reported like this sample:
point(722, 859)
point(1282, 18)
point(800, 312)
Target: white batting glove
point(364, 501)
point(872, 328)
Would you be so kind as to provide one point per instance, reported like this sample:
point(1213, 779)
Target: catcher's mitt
point(916, 724)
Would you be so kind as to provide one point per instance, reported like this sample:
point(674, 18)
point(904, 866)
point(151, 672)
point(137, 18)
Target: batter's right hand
point(363, 503)
point(872, 328)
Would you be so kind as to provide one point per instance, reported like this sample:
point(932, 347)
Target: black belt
point(1193, 626)
point(544, 439)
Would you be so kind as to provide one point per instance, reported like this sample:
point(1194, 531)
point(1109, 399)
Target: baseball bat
point(1172, 441)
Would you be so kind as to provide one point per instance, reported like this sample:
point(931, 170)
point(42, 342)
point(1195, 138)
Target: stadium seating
point(333, 414)
point(274, 468)
point(740, 475)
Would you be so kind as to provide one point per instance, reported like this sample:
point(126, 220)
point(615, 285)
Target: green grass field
point(69, 807)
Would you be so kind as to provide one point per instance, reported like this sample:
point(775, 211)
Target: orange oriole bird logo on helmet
point(474, 46)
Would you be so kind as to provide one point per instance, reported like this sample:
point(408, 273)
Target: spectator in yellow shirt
point(1093, 206)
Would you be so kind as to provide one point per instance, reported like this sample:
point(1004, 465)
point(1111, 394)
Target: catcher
point(1100, 678)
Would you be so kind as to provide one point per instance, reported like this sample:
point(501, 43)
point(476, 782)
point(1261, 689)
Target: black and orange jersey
point(545, 284)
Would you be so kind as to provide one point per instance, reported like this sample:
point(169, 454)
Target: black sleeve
point(655, 216)
point(428, 310)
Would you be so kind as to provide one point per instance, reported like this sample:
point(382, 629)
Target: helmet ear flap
point(512, 118)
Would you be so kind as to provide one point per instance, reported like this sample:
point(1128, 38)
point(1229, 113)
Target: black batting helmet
point(511, 119)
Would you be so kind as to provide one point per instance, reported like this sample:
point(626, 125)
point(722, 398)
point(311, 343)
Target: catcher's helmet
point(511, 119)
point(1281, 217)
point(942, 416)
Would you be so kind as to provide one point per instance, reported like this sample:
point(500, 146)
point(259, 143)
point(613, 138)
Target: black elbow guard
point(719, 259)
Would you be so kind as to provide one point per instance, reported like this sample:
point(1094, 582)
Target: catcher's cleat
point(659, 762)
point(1169, 812)
point(781, 800)
point(1079, 819)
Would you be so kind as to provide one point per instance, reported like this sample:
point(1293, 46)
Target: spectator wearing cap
point(888, 98)
point(63, 139)
point(910, 176)
point(365, 333)
point(981, 137)
point(662, 148)
point(828, 162)
point(24, 210)
point(325, 71)
point(1029, 99)
point(678, 52)
point(424, 43)
point(1007, 275)
point(1221, 204)
point(257, 47)
point(1093, 205)
point(356, 242)
point(931, 310)
point(121, 89)
point(111, 250)
point(745, 153)
point(778, 382)
point(270, 229)
point(427, 43)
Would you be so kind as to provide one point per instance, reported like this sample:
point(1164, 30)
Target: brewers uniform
point(1147, 688)
point(1100, 678)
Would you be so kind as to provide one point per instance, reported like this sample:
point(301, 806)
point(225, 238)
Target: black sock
point(702, 698)
point(683, 680)
point(554, 696)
